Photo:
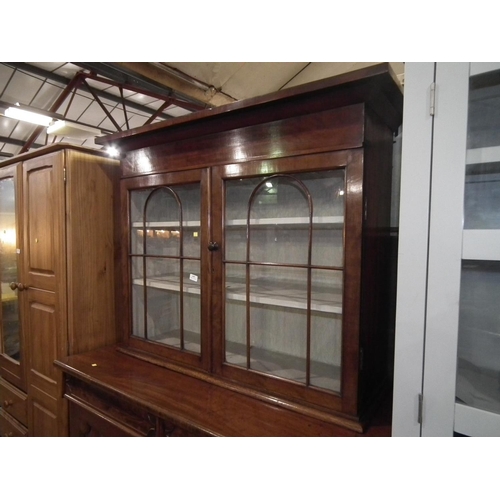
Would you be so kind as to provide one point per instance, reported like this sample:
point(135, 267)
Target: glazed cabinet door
point(460, 369)
point(12, 352)
point(289, 268)
point(168, 265)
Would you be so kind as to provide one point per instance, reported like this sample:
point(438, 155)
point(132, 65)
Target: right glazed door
point(284, 268)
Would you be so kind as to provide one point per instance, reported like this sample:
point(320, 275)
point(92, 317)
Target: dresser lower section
point(111, 393)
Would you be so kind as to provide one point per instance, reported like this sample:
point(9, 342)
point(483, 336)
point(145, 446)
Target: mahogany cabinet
point(57, 272)
point(258, 260)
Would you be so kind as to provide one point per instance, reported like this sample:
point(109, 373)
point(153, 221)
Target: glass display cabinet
point(258, 260)
point(454, 335)
point(11, 360)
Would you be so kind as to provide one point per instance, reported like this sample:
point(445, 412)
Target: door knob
point(18, 286)
point(213, 245)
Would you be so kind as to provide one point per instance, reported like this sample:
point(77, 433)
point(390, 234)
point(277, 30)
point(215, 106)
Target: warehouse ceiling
point(94, 99)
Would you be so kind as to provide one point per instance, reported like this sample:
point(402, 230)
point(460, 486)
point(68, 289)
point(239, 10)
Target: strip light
point(73, 130)
point(28, 116)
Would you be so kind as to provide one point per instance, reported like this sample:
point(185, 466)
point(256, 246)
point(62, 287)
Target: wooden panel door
point(44, 281)
point(45, 381)
point(43, 200)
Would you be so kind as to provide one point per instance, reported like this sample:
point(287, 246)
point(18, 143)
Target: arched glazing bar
point(301, 186)
point(170, 191)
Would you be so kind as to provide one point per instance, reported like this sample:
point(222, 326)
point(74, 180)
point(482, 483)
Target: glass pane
point(164, 210)
point(192, 305)
point(326, 329)
point(478, 375)
point(165, 265)
point(482, 196)
point(482, 182)
point(163, 315)
point(10, 327)
point(278, 323)
point(280, 216)
point(295, 224)
point(478, 364)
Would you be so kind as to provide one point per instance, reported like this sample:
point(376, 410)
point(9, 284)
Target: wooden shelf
point(334, 221)
point(481, 244)
point(483, 155)
point(288, 295)
point(170, 224)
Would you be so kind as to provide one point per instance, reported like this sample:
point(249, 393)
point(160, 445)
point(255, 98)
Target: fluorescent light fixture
point(28, 116)
point(73, 130)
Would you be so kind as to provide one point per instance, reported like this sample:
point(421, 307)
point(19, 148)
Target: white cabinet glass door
point(477, 410)
point(447, 363)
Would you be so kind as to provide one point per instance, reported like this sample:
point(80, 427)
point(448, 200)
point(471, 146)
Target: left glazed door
point(12, 345)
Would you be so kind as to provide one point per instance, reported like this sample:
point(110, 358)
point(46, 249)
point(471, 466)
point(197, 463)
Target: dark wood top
point(52, 148)
point(377, 86)
point(216, 409)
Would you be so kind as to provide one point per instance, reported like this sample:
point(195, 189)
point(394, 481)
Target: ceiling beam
point(28, 68)
point(169, 78)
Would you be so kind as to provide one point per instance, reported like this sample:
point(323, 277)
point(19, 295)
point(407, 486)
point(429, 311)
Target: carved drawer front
point(85, 421)
point(126, 414)
point(13, 402)
point(10, 427)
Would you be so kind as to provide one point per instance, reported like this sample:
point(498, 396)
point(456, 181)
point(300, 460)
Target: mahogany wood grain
point(175, 396)
point(330, 130)
point(345, 122)
point(350, 88)
point(91, 189)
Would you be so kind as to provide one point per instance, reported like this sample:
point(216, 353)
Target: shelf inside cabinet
point(481, 244)
point(483, 155)
point(287, 295)
point(168, 224)
point(330, 221)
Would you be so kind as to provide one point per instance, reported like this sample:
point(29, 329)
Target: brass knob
point(7, 403)
point(21, 287)
point(13, 286)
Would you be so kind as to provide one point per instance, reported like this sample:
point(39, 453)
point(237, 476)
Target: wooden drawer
point(13, 401)
point(10, 427)
point(111, 407)
point(95, 412)
point(85, 421)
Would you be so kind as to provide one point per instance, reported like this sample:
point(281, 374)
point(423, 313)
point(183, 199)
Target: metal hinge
point(432, 109)
point(64, 174)
point(420, 408)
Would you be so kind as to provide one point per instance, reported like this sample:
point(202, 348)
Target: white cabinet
point(447, 370)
